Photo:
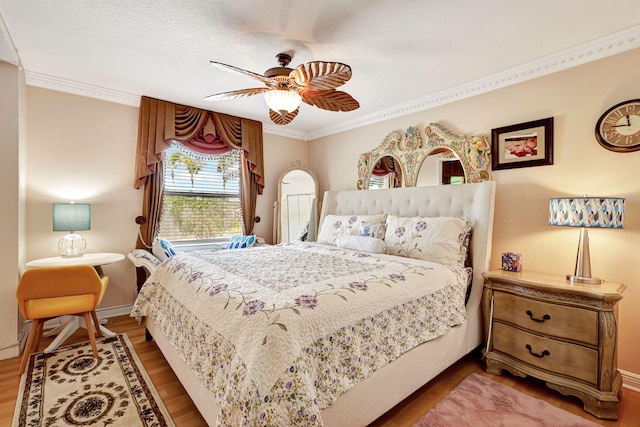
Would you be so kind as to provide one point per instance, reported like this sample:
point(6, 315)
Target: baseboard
point(630, 381)
point(103, 313)
point(118, 310)
point(10, 352)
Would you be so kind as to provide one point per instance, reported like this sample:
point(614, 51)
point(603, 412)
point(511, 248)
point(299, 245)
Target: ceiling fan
point(314, 83)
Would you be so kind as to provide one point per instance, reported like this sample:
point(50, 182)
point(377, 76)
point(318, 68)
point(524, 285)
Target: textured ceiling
point(404, 54)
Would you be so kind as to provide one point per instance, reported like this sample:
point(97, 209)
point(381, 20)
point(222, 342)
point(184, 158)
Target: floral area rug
point(478, 401)
point(69, 387)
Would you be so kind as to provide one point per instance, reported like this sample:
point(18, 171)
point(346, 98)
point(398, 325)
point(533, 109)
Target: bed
point(268, 362)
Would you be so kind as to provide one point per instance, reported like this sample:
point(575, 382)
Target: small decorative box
point(511, 261)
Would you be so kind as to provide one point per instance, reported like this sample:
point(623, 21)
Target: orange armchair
point(45, 293)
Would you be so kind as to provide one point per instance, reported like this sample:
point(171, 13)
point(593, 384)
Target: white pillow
point(362, 243)
point(438, 239)
point(344, 225)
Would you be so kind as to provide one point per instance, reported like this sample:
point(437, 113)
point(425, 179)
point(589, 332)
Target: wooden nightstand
point(564, 334)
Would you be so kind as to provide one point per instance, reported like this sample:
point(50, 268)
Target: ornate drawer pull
point(545, 317)
point(543, 354)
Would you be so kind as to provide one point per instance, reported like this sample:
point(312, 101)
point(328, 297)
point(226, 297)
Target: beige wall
point(279, 153)
point(83, 149)
point(575, 98)
point(11, 208)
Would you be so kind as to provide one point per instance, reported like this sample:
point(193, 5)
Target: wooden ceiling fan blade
point(235, 94)
point(280, 119)
point(227, 67)
point(320, 75)
point(331, 100)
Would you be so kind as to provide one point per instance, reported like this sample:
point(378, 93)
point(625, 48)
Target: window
point(201, 195)
point(378, 182)
point(452, 172)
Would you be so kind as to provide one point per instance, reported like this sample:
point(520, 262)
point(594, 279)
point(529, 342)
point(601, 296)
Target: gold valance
point(162, 122)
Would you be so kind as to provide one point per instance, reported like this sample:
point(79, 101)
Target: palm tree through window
point(202, 195)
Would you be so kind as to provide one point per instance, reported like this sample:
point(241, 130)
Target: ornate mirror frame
point(277, 220)
point(410, 150)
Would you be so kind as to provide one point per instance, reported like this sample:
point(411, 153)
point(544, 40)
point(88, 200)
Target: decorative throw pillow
point(162, 249)
point(362, 243)
point(344, 225)
point(241, 242)
point(438, 239)
point(376, 230)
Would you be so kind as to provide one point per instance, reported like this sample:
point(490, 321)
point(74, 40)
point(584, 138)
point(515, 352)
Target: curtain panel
point(203, 131)
point(386, 166)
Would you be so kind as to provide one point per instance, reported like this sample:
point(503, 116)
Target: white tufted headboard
point(474, 201)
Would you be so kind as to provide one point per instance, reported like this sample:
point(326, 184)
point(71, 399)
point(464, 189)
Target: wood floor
point(184, 413)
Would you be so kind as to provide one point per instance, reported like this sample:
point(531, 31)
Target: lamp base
point(585, 280)
point(582, 272)
point(72, 245)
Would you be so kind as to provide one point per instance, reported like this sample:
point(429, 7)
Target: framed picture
point(522, 145)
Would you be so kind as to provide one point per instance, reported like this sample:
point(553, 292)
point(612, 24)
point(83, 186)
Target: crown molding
point(284, 131)
point(83, 89)
point(613, 44)
point(603, 47)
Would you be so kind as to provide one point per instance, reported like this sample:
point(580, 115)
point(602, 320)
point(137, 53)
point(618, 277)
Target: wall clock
point(618, 128)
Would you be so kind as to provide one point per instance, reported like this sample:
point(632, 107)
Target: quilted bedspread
point(278, 333)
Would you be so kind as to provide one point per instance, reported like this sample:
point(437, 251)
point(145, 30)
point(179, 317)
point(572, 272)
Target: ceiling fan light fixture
point(282, 101)
point(314, 83)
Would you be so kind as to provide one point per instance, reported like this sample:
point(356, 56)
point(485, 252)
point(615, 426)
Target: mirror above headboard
point(411, 149)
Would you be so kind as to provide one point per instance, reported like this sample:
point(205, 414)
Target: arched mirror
point(386, 173)
point(433, 157)
point(296, 211)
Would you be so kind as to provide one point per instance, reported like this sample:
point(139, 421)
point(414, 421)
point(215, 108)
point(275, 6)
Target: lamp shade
point(282, 101)
point(586, 212)
point(71, 217)
point(604, 212)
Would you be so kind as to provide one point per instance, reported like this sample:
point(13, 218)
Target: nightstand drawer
point(553, 356)
point(548, 319)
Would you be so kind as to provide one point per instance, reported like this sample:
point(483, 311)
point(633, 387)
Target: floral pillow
point(377, 230)
point(439, 239)
point(334, 226)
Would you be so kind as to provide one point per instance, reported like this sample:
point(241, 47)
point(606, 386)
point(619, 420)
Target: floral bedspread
point(278, 333)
